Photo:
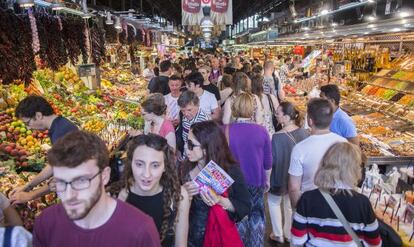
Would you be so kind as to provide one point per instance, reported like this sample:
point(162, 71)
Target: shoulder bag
point(341, 217)
point(276, 123)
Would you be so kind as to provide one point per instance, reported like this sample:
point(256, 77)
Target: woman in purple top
point(250, 145)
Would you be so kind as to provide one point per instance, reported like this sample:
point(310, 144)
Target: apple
point(8, 149)
point(14, 152)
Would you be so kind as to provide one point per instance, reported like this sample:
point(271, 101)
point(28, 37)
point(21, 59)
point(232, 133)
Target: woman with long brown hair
point(150, 183)
point(207, 142)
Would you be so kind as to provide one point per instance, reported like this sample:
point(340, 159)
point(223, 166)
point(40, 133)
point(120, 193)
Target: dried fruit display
point(73, 39)
point(98, 44)
point(15, 50)
point(52, 49)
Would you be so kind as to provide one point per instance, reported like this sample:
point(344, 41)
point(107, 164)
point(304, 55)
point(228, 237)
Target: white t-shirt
point(173, 110)
point(208, 102)
point(20, 237)
point(4, 203)
point(307, 156)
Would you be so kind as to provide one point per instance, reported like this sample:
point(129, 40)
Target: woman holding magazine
point(206, 142)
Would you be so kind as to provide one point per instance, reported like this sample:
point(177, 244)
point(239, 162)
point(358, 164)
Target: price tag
point(409, 213)
point(392, 202)
point(377, 189)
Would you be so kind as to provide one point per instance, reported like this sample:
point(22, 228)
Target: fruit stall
point(43, 59)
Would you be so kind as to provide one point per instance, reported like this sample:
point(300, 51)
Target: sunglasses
point(191, 145)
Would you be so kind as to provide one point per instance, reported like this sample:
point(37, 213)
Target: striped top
point(199, 117)
point(315, 224)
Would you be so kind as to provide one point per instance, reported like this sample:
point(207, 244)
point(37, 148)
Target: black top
point(159, 84)
point(60, 127)
point(154, 207)
point(239, 197)
point(213, 89)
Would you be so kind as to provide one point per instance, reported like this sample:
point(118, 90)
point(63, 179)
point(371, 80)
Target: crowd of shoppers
point(200, 110)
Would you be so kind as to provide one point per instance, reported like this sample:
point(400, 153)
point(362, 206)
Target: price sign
point(392, 202)
point(85, 70)
point(409, 213)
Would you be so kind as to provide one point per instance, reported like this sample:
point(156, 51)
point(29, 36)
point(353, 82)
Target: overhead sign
point(221, 11)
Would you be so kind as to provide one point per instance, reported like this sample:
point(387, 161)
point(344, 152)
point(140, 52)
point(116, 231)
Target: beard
point(78, 214)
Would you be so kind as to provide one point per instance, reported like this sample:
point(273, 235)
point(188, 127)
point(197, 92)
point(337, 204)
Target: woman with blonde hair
point(250, 145)
point(316, 224)
point(242, 83)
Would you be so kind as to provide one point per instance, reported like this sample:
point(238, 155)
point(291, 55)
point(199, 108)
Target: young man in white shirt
point(208, 101)
point(307, 154)
point(173, 110)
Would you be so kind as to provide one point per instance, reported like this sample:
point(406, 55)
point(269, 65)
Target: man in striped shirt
point(189, 104)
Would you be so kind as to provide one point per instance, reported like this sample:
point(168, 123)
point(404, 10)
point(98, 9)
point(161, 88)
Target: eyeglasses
point(77, 184)
point(191, 145)
point(27, 123)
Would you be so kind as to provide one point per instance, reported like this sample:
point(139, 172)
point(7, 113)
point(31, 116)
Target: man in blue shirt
point(341, 124)
point(38, 114)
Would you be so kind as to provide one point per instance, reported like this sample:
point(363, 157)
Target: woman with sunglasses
point(151, 184)
point(250, 145)
point(207, 142)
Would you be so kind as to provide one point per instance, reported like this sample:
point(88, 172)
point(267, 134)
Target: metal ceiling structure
point(171, 9)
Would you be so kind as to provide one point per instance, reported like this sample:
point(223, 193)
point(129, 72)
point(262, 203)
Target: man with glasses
point(38, 114)
point(87, 216)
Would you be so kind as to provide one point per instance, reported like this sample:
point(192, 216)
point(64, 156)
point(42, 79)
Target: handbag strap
point(7, 236)
point(227, 133)
point(341, 217)
point(271, 104)
point(291, 137)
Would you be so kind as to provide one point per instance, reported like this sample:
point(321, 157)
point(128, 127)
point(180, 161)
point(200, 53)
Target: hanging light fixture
point(109, 20)
point(25, 3)
point(118, 23)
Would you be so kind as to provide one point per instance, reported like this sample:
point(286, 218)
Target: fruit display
point(10, 180)
point(23, 151)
